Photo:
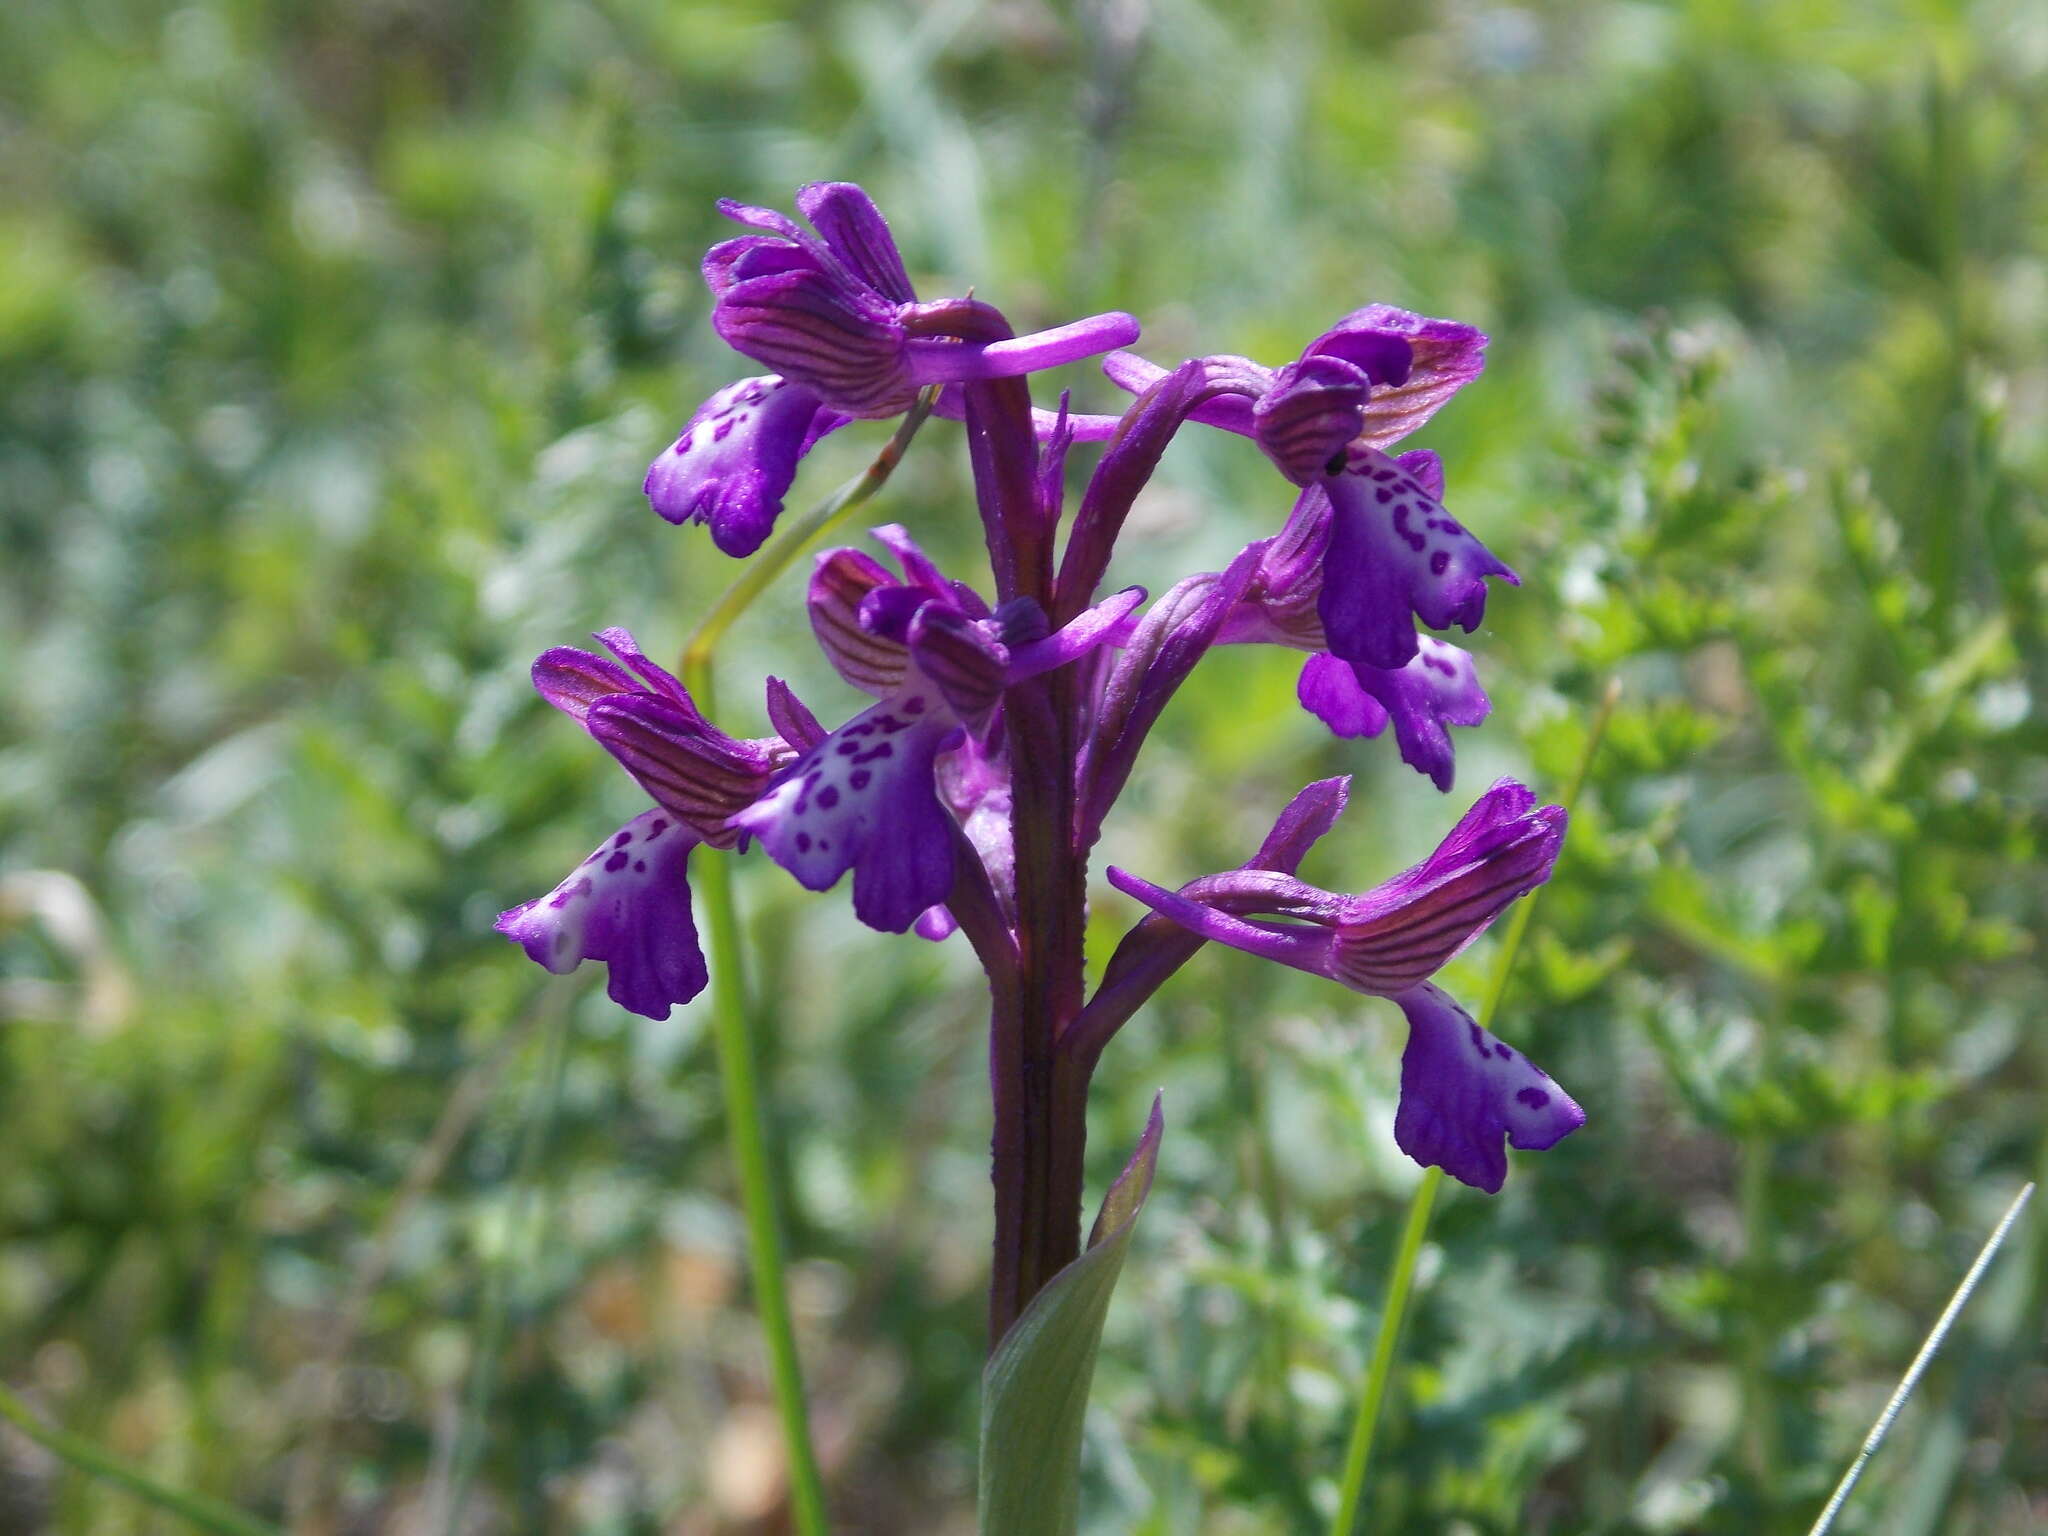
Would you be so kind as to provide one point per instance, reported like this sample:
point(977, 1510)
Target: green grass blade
point(81, 1455)
point(746, 1126)
point(1929, 1348)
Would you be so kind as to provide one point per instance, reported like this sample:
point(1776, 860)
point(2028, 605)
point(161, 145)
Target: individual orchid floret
point(834, 315)
point(1467, 1090)
point(1282, 605)
point(938, 659)
point(1392, 553)
point(628, 904)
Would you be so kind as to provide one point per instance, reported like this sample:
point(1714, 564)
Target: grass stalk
point(82, 1455)
point(1422, 1204)
point(739, 1078)
point(1929, 1347)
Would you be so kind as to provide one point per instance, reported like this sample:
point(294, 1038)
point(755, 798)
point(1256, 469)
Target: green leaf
point(1034, 1391)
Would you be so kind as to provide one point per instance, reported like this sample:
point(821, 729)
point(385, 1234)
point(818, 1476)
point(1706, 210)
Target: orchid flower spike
point(1462, 1090)
point(834, 317)
point(628, 904)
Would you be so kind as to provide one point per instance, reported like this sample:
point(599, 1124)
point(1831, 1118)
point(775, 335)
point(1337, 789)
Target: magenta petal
point(1426, 467)
point(1329, 690)
point(858, 235)
point(689, 767)
point(1306, 949)
point(1463, 1092)
point(961, 660)
point(737, 459)
point(627, 905)
point(1445, 357)
point(1394, 551)
point(1436, 690)
point(1311, 413)
point(791, 717)
point(841, 583)
point(864, 799)
point(572, 680)
point(1109, 622)
point(1298, 828)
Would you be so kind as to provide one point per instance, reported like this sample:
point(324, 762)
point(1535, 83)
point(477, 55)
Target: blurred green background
point(333, 342)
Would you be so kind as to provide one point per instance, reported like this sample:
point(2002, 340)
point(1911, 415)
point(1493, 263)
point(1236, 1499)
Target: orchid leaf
point(1034, 1391)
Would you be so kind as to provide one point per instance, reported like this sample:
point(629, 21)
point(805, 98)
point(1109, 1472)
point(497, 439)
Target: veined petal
point(737, 458)
point(697, 773)
point(1463, 1091)
point(1395, 552)
point(1313, 410)
point(962, 662)
point(1406, 929)
point(627, 905)
point(819, 326)
point(864, 799)
point(841, 583)
point(572, 680)
point(856, 232)
point(1445, 357)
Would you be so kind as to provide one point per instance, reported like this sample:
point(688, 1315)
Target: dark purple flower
point(937, 659)
point(628, 904)
point(1391, 552)
point(1437, 688)
point(1461, 1089)
point(834, 315)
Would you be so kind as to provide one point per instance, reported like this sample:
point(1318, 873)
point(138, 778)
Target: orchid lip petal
point(736, 459)
point(627, 905)
point(864, 799)
point(1464, 1092)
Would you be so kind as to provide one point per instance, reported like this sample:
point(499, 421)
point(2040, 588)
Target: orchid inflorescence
point(969, 794)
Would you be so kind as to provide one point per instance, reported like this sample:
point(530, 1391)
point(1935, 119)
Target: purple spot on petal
point(723, 430)
point(803, 842)
point(913, 706)
point(848, 748)
point(828, 797)
point(656, 827)
point(1478, 1038)
point(639, 866)
point(616, 862)
point(1535, 1098)
point(1384, 495)
point(1439, 562)
point(886, 749)
point(860, 778)
point(1451, 527)
point(622, 839)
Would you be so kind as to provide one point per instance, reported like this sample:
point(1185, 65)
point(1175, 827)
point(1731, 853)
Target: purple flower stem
point(1040, 1129)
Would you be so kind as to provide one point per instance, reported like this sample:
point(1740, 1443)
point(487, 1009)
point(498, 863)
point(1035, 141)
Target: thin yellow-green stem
point(746, 1125)
point(81, 1455)
point(1401, 1278)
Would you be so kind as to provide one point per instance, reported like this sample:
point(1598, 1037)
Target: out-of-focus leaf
point(1034, 1392)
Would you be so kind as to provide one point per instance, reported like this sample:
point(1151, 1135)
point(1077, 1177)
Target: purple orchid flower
point(834, 316)
point(1392, 553)
point(1462, 1090)
point(1282, 605)
point(628, 904)
point(866, 797)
